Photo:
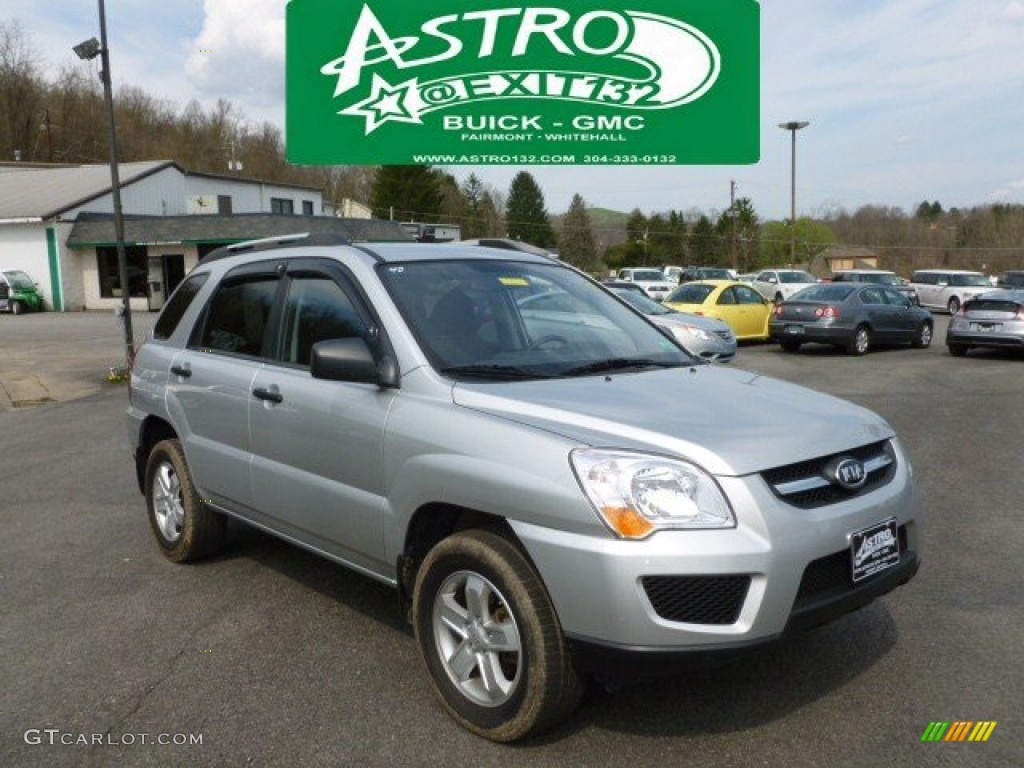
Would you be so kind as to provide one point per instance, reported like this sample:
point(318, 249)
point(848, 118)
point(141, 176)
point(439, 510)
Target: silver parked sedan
point(705, 337)
point(994, 319)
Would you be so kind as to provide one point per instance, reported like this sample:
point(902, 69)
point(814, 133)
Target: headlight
point(636, 494)
point(687, 333)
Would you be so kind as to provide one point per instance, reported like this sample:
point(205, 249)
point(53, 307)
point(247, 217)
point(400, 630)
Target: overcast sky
point(907, 99)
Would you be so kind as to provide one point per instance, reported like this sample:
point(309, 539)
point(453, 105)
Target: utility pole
point(732, 215)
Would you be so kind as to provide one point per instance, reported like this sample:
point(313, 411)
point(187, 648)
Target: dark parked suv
point(547, 480)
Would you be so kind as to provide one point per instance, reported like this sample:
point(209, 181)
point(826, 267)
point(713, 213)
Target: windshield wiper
point(494, 371)
point(620, 364)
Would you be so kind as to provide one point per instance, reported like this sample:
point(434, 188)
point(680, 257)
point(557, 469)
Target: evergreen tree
point(576, 243)
point(703, 242)
point(407, 193)
point(526, 217)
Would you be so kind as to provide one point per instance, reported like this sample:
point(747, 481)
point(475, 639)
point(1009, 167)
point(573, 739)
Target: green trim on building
point(53, 256)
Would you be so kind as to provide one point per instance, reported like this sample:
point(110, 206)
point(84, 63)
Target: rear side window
point(237, 316)
point(176, 307)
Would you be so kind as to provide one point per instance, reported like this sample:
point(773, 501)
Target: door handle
point(181, 370)
point(268, 395)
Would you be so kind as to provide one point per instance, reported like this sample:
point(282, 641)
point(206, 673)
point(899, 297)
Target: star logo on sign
point(387, 103)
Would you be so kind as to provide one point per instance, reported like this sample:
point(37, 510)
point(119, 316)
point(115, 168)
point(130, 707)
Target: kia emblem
point(847, 472)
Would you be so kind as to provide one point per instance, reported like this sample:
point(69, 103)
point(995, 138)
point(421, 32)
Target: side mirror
point(351, 360)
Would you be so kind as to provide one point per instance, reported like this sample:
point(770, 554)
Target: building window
point(224, 204)
point(137, 269)
point(307, 207)
point(282, 205)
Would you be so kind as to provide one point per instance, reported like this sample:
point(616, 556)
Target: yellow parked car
point(738, 304)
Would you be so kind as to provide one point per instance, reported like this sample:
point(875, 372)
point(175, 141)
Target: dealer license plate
point(986, 327)
point(874, 549)
point(794, 329)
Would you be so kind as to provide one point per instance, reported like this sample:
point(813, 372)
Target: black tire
point(779, 298)
point(788, 345)
point(953, 306)
point(538, 683)
point(17, 308)
point(860, 342)
point(184, 527)
point(923, 336)
point(957, 350)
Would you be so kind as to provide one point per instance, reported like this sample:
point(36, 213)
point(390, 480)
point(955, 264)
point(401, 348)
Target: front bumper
point(778, 570)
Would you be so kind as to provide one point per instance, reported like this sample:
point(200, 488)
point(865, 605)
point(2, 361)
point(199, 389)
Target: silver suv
point(552, 485)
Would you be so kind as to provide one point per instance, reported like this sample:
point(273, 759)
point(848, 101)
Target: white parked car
point(948, 289)
point(779, 284)
point(653, 281)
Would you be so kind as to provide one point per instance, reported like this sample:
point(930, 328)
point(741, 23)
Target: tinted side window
point(179, 303)
point(317, 309)
point(237, 315)
point(745, 295)
point(871, 296)
point(925, 278)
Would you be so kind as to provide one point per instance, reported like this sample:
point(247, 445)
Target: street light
point(793, 126)
point(87, 51)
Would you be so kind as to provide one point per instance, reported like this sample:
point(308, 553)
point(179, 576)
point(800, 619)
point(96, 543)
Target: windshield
point(690, 293)
point(797, 276)
point(969, 280)
point(19, 280)
point(640, 302)
point(497, 320)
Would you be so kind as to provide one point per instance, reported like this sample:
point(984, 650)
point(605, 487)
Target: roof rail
point(278, 241)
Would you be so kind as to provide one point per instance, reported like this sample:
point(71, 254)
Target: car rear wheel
point(860, 342)
point(184, 527)
point(957, 350)
point(953, 306)
point(923, 337)
point(490, 638)
point(788, 345)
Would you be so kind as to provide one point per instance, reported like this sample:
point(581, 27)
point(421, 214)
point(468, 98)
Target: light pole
point(87, 51)
point(793, 126)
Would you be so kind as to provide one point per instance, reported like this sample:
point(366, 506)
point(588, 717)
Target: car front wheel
point(953, 306)
point(17, 308)
point(490, 638)
point(184, 527)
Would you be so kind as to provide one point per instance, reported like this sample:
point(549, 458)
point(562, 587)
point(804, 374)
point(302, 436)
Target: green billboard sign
point(575, 82)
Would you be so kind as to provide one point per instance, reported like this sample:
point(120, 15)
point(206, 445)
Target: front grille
point(697, 599)
point(806, 486)
point(831, 576)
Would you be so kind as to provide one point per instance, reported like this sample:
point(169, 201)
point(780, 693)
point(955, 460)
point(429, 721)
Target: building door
point(165, 273)
point(155, 285)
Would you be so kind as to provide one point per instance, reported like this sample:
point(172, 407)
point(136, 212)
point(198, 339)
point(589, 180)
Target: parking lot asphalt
point(271, 656)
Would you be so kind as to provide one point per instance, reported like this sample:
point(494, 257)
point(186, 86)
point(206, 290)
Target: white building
point(56, 224)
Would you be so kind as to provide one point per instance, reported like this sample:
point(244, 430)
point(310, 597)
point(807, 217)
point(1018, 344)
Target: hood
point(729, 422)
